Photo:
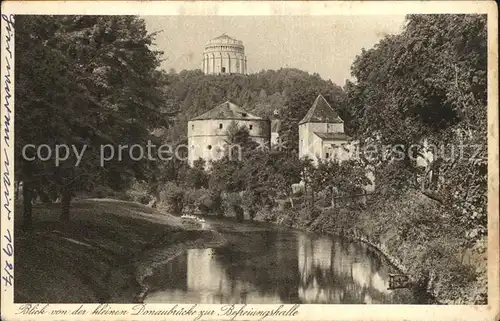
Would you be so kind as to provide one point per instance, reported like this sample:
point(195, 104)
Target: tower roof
point(224, 39)
point(321, 112)
point(224, 36)
point(227, 110)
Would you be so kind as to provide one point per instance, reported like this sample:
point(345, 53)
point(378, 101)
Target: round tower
point(224, 55)
point(208, 133)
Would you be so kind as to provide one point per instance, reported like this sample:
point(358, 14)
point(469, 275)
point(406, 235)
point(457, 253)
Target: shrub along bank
point(413, 231)
point(414, 235)
point(418, 234)
point(423, 237)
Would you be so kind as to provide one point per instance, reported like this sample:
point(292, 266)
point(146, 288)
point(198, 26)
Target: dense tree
point(254, 171)
point(346, 178)
point(84, 81)
point(196, 177)
point(427, 85)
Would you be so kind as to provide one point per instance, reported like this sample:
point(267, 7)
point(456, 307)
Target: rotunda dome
point(224, 55)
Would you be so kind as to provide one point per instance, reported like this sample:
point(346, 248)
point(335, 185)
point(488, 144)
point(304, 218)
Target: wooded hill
point(190, 93)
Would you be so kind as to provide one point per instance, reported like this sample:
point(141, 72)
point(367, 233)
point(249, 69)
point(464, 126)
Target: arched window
point(209, 147)
point(220, 126)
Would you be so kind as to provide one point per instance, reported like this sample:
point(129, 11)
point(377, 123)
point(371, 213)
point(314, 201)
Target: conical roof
point(224, 36)
point(227, 110)
point(224, 39)
point(321, 112)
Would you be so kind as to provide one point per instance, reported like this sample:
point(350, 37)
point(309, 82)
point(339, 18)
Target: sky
point(326, 45)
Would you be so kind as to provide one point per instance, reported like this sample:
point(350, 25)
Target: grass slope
point(94, 257)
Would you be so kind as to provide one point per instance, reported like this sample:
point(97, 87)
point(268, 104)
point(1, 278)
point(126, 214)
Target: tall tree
point(105, 90)
point(428, 84)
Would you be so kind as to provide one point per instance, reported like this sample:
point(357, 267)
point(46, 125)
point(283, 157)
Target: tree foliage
point(428, 84)
point(84, 81)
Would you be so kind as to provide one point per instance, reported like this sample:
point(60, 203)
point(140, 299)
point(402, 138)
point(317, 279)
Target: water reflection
point(335, 271)
point(275, 267)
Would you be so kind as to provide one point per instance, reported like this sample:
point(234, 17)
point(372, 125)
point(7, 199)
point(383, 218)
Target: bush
point(285, 217)
point(196, 200)
point(428, 240)
point(101, 192)
point(145, 199)
point(231, 203)
point(191, 196)
point(138, 190)
point(172, 198)
point(215, 203)
point(206, 201)
point(265, 214)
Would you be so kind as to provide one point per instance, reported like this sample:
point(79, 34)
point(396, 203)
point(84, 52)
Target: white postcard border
point(305, 312)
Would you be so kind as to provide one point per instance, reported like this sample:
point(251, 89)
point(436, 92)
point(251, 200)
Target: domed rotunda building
point(224, 55)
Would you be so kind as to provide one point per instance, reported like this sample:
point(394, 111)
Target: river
point(263, 263)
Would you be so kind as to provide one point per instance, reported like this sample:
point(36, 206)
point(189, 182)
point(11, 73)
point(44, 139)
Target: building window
point(327, 155)
point(244, 114)
point(192, 126)
point(251, 126)
point(209, 147)
point(220, 126)
point(223, 69)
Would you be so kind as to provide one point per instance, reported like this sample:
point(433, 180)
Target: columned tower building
point(224, 55)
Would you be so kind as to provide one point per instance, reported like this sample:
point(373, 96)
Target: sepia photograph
point(235, 160)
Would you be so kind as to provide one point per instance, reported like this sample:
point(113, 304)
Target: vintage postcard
point(249, 160)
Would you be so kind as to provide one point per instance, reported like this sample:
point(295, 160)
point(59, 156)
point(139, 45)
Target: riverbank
point(105, 251)
point(417, 237)
point(421, 293)
point(148, 263)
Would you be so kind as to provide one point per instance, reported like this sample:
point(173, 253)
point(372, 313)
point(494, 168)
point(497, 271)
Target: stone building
point(208, 136)
point(321, 133)
point(224, 55)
